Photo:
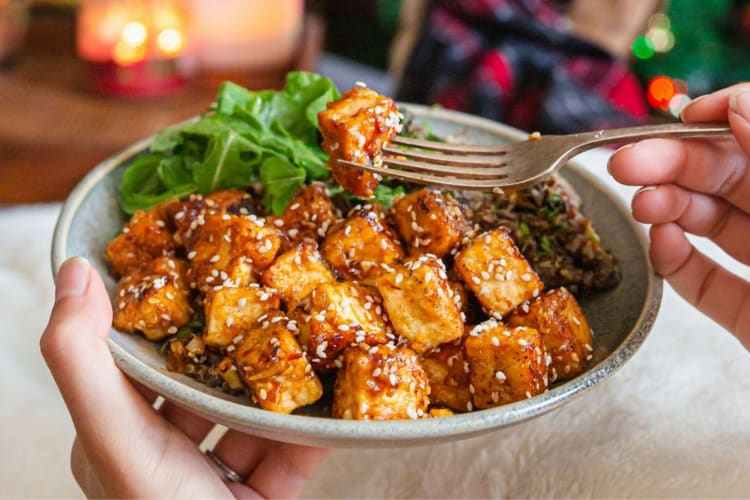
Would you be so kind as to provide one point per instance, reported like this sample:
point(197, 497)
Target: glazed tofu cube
point(230, 311)
point(188, 214)
point(448, 373)
point(429, 222)
point(420, 303)
point(361, 246)
point(506, 364)
point(494, 269)
point(342, 314)
point(380, 383)
point(231, 244)
point(565, 332)
point(309, 214)
point(144, 237)
point(297, 272)
point(355, 128)
point(153, 299)
point(273, 366)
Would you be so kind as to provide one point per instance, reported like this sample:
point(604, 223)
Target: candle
point(245, 37)
point(134, 47)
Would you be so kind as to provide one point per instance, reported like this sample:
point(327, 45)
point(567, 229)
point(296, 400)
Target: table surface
point(673, 422)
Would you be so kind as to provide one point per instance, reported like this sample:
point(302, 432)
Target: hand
point(701, 187)
point(124, 447)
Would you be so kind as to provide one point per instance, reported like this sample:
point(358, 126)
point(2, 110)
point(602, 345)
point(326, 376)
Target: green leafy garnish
point(270, 136)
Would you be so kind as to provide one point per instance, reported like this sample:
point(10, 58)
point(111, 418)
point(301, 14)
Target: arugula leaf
point(245, 136)
point(387, 194)
point(281, 180)
point(142, 185)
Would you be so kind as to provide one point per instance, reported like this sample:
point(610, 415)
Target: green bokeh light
point(643, 47)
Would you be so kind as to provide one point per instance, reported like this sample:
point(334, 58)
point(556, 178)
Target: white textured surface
point(674, 422)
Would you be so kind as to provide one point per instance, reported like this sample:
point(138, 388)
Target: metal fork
point(514, 165)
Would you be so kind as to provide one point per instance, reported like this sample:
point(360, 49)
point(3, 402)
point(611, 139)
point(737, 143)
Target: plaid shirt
point(514, 61)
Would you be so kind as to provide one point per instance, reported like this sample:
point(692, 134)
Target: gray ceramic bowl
point(620, 318)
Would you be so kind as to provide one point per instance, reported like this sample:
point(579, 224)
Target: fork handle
point(633, 134)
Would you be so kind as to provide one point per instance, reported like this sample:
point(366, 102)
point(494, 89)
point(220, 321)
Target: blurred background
point(80, 80)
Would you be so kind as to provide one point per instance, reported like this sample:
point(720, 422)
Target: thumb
point(739, 117)
point(74, 346)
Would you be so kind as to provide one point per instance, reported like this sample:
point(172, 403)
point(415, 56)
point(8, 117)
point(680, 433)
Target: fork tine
point(443, 159)
point(432, 180)
point(444, 147)
point(439, 170)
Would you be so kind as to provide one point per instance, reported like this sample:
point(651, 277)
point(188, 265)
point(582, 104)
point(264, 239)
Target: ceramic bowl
point(620, 318)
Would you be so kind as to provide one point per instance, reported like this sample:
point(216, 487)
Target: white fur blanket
point(674, 422)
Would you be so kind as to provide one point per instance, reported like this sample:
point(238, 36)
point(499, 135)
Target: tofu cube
point(494, 269)
point(355, 128)
point(420, 303)
point(506, 364)
point(230, 311)
point(380, 383)
point(144, 237)
point(297, 272)
point(231, 244)
point(362, 245)
point(565, 332)
point(272, 365)
point(309, 214)
point(448, 373)
point(429, 222)
point(188, 214)
point(341, 314)
point(153, 299)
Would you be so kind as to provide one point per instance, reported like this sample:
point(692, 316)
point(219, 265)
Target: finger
point(713, 290)
point(242, 452)
point(713, 107)
point(717, 167)
point(249, 456)
point(285, 470)
point(194, 427)
point(696, 213)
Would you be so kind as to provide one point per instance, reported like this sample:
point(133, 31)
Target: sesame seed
point(575, 320)
point(575, 357)
point(191, 255)
point(278, 223)
point(262, 394)
point(476, 280)
point(485, 275)
point(398, 278)
point(172, 330)
point(321, 349)
point(393, 379)
point(526, 277)
point(499, 375)
point(495, 341)
point(230, 320)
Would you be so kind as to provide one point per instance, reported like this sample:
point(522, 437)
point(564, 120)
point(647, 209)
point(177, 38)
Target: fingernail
point(72, 278)
point(643, 190)
point(739, 103)
point(691, 104)
point(621, 148)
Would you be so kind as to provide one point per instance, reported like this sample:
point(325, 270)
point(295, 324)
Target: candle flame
point(170, 41)
point(134, 33)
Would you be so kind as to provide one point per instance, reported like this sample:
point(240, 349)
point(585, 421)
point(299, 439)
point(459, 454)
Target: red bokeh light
point(661, 89)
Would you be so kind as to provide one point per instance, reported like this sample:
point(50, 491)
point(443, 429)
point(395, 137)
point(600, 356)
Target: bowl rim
point(303, 428)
